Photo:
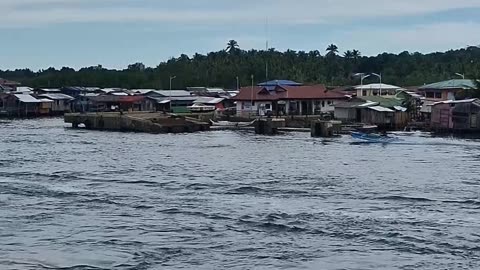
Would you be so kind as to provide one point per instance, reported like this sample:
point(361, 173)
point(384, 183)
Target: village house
point(60, 102)
point(377, 89)
point(105, 103)
point(286, 98)
point(446, 90)
point(8, 86)
point(83, 103)
point(442, 91)
point(207, 91)
point(23, 105)
point(176, 101)
point(218, 103)
point(384, 112)
point(75, 91)
point(456, 115)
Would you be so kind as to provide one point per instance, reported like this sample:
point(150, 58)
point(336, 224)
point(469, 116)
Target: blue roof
point(280, 82)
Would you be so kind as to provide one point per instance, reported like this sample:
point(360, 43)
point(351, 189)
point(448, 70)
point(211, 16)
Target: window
point(364, 93)
point(323, 103)
point(438, 95)
point(392, 92)
point(330, 102)
point(430, 94)
point(375, 92)
point(268, 106)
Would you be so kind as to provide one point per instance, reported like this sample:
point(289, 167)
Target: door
point(473, 120)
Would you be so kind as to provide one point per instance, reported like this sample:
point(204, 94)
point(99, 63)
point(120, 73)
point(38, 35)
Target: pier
point(136, 122)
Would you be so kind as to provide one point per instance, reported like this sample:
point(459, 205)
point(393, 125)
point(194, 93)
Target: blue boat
point(373, 138)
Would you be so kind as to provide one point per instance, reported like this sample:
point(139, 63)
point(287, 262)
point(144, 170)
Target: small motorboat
point(373, 138)
point(228, 124)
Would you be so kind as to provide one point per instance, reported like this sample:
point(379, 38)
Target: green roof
point(451, 84)
point(384, 102)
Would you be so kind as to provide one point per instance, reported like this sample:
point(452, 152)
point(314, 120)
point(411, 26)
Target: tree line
point(222, 68)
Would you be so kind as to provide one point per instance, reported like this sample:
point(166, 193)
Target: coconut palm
point(348, 54)
point(332, 49)
point(356, 54)
point(232, 46)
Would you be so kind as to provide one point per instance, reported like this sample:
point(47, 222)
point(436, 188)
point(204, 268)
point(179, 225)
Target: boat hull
point(372, 138)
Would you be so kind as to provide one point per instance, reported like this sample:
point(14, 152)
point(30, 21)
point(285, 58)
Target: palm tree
point(332, 49)
point(232, 46)
point(348, 54)
point(356, 54)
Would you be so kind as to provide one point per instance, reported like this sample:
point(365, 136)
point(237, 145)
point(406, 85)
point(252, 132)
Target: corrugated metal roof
point(24, 89)
point(26, 98)
point(383, 101)
point(455, 101)
point(45, 100)
point(368, 104)
point(57, 96)
point(451, 84)
point(380, 109)
point(400, 108)
point(173, 93)
point(208, 100)
point(50, 90)
point(142, 91)
point(382, 86)
point(280, 82)
point(215, 90)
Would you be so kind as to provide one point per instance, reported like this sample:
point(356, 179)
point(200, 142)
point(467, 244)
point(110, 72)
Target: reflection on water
point(76, 199)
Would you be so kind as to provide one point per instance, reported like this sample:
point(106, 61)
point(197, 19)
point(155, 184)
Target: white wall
point(244, 108)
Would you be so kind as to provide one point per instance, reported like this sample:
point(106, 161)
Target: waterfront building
point(176, 101)
point(60, 102)
point(286, 98)
point(8, 85)
point(445, 90)
point(75, 91)
point(456, 115)
point(377, 89)
point(23, 105)
point(385, 112)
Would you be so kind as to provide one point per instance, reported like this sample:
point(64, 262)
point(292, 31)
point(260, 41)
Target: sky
point(38, 34)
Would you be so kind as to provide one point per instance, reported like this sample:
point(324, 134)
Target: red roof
point(312, 92)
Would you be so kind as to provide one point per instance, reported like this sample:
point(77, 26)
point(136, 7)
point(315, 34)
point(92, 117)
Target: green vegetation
point(221, 69)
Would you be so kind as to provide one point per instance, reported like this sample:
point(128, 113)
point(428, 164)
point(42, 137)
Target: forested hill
point(221, 68)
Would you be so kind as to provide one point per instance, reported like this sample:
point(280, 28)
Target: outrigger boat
point(228, 124)
point(373, 138)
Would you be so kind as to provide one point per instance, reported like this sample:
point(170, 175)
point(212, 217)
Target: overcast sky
point(114, 33)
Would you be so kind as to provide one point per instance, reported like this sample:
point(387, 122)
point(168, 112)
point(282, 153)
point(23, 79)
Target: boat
point(373, 138)
point(228, 124)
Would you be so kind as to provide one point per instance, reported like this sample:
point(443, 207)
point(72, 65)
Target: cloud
point(26, 13)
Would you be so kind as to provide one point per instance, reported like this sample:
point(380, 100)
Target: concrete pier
point(326, 128)
point(136, 122)
point(268, 126)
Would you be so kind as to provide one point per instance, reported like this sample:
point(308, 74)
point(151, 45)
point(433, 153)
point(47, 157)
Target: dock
point(136, 122)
